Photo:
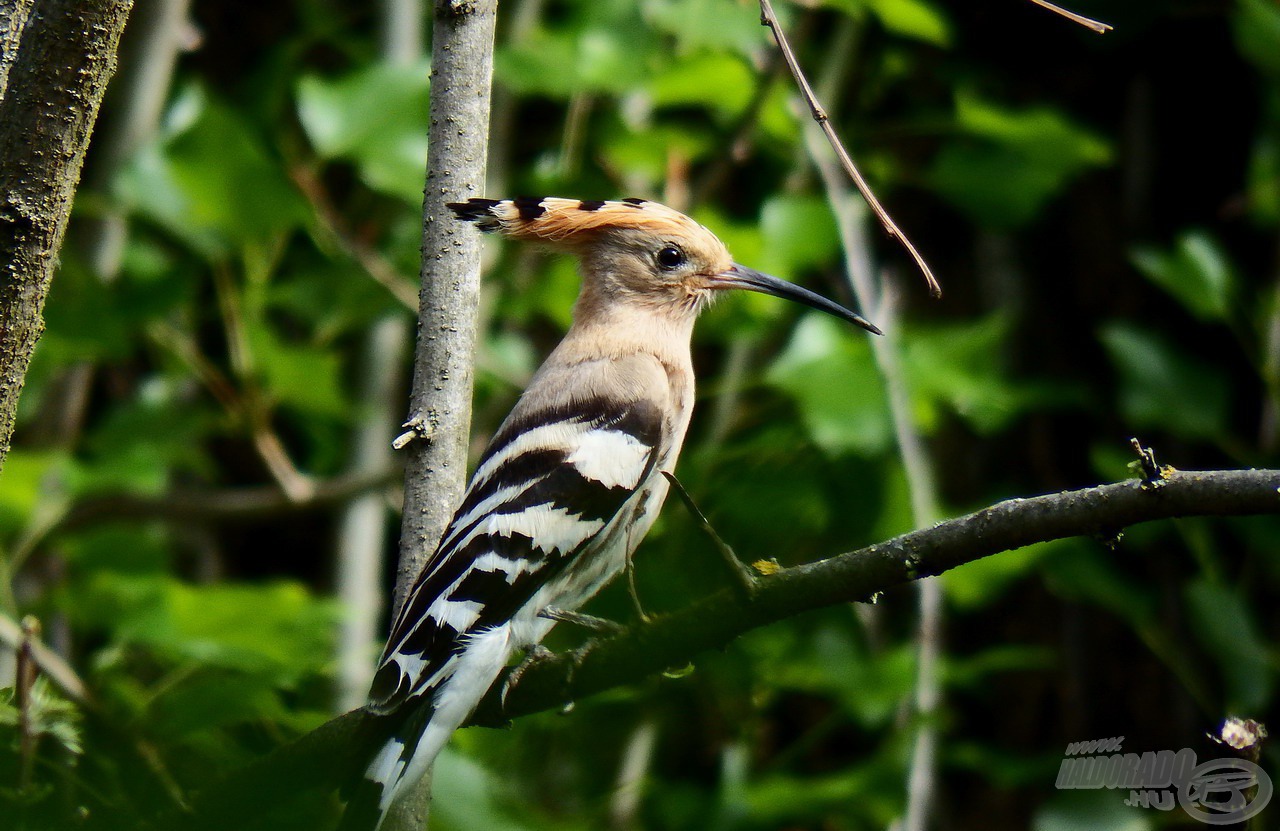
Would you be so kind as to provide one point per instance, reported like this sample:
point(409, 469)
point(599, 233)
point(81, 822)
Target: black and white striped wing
point(550, 481)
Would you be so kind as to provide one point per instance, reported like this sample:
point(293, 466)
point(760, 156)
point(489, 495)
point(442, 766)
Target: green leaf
point(1007, 164)
point(1223, 621)
point(799, 233)
point(870, 686)
point(722, 83)
point(472, 804)
point(981, 582)
point(830, 372)
point(769, 489)
point(916, 19)
point(375, 117)
point(143, 441)
point(211, 699)
point(1257, 30)
point(609, 56)
point(305, 377)
point(1195, 272)
point(25, 485)
point(1100, 810)
point(957, 366)
point(1264, 179)
point(209, 180)
point(1164, 387)
point(645, 154)
point(276, 630)
point(1084, 573)
point(719, 25)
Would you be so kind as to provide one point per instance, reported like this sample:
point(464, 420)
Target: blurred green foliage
point(1102, 211)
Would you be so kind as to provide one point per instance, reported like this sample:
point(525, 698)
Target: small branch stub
point(418, 428)
point(1153, 475)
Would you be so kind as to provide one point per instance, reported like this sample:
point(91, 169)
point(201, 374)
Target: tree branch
point(323, 759)
point(674, 639)
point(66, 55)
point(226, 504)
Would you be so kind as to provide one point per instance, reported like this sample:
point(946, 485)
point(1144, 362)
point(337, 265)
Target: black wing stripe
point(482, 586)
point(526, 467)
point(568, 489)
point(642, 419)
point(557, 493)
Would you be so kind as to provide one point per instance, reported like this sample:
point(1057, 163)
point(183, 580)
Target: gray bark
point(55, 86)
point(440, 400)
point(13, 18)
point(443, 366)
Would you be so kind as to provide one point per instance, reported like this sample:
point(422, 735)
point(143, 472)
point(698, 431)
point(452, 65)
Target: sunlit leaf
point(722, 83)
point(210, 181)
point(1007, 164)
point(799, 233)
point(830, 372)
point(1195, 271)
point(1164, 387)
point(375, 117)
point(709, 24)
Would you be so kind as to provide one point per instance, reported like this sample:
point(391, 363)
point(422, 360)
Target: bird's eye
point(670, 258)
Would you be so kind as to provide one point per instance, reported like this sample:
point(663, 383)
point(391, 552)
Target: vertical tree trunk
point(66, 55)
point(440, 401)
point(13, 18)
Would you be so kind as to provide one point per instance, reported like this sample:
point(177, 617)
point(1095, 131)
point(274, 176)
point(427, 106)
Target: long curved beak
point(741, 277)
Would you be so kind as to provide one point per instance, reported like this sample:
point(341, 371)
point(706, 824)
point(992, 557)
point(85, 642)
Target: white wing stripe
point(611, 457)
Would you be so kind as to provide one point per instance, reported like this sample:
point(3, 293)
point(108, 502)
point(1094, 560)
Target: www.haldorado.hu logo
point(1216, 792)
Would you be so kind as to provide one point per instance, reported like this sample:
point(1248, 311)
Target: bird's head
point(638, 252)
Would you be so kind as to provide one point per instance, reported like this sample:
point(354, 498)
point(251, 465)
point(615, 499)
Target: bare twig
point(230, 504)
point(743, 578)
point(366, 256)
point(880, 301)
point(13, 635)
point(27, 672)
point(768, 18)
point(1087, 22)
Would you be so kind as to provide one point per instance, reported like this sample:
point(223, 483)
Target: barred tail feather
point(439, 710)
point(394, 771)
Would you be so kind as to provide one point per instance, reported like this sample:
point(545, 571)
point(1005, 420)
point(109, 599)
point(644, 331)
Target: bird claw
point(536, 653)
point(601, 625)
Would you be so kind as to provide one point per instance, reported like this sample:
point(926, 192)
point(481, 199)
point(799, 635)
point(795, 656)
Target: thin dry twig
point(370, 260)
point(1087, 22)
point(768, 18)
point(27, 672)
point(15, 636)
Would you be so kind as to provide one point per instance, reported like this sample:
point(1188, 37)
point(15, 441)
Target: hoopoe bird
point(571, 481)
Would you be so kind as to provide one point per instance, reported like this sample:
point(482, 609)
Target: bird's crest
point(570, 221)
